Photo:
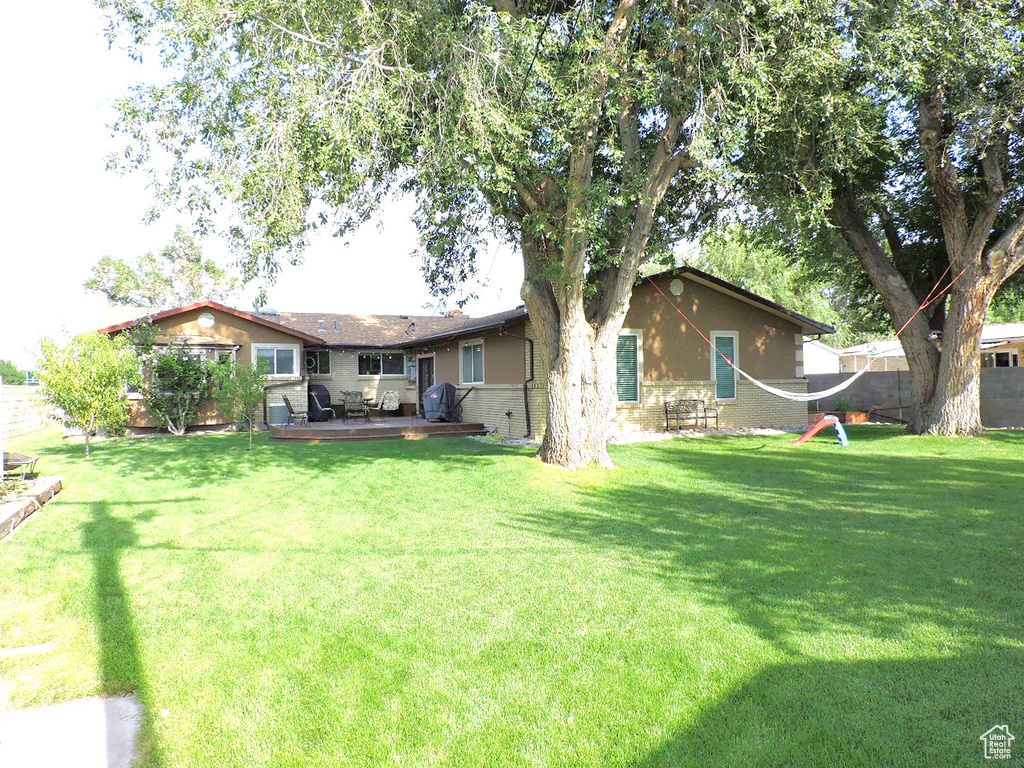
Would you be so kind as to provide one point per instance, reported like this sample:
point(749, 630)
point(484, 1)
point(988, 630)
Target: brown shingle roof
point(379, 331)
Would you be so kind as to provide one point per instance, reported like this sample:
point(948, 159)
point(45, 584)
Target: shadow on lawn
point(794, 544)
point(198, 460)
point(864, 713)
point(106, 537)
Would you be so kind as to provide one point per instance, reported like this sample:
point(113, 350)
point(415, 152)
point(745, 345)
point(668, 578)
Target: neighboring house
point(495, 364)
point(820, 358)
point(1002, 346)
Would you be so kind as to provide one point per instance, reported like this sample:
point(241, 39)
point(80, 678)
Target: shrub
point(182, 381)
point(86, 381)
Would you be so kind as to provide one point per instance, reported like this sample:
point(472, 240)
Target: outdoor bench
point(687, 413)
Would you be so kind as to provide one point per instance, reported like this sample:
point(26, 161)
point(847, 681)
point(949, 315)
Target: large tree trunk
point(578, 357)
point(955, 406)
point(900, 302)
point(580, 404)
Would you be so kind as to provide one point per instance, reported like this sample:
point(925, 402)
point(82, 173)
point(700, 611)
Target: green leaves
point(240, 391)
point(182, 380)
point(86, 381)
point(175, 276)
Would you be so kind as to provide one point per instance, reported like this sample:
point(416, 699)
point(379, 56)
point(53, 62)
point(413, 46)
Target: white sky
point(61, 211)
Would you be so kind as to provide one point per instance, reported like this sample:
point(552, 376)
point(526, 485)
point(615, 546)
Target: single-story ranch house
point(493, 360)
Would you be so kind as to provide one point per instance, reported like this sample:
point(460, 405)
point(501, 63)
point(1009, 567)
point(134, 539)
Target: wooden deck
point(392, 428)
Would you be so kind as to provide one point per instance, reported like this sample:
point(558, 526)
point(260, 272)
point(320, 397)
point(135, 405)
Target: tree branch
point(581, 161)
point(1007, 252)
point(993, 202)
point(892, 235)
point(942, 175)
point(363, 62)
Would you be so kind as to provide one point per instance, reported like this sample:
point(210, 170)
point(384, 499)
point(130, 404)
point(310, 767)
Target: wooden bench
point(686, 413)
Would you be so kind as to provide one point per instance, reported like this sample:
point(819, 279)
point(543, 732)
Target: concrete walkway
point(88, 733)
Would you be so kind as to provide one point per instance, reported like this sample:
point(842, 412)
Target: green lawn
point(714, 602)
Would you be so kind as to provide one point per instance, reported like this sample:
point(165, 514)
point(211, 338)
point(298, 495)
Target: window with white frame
point(381, 364)
point(999, 360)
point(318, 362)
point(723, 350)
point(629, 366)
point(473, 362)
point(276, 360)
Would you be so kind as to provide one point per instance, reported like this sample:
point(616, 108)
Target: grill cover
point(439, 403)
point(315, 413)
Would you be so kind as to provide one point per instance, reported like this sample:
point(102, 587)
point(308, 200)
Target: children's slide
point(820, 426)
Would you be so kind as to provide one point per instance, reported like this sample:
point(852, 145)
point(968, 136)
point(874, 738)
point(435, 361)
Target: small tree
point(10, 374)
point(86, 381)
point(182, 381)
point(241, 393)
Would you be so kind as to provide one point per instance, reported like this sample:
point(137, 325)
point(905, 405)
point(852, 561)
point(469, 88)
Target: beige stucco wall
point(503, 359)
point(675, 351)
point(236, 330)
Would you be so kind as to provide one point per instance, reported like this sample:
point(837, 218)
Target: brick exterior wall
point(753, 406)
point(295, 391)
point(344, 377)
point(22, 412)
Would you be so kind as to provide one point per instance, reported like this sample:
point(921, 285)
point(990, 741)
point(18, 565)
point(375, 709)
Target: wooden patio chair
point(295, 418)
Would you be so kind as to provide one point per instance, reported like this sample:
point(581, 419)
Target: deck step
point(417, 432)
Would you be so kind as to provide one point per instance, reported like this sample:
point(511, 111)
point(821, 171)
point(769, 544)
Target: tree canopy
point(10, 373)
point(588, 133)
point(905, 150)
point(174, 276)
point(86, 380)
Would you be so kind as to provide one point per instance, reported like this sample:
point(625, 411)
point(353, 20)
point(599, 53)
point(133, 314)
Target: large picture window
point(724, 346)
point(276, 361)
point(381, 364)
point(473, 363)
point(318, 362)
point(627, 367)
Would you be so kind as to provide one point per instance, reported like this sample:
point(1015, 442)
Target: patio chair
point(388, 402)
point(300, 418)
point(13, 461)
point(356, 406)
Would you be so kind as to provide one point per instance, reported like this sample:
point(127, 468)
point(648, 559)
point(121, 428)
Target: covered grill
point(439, 403)
point(318, 407)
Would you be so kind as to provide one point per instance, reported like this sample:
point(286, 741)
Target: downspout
point(526, 391)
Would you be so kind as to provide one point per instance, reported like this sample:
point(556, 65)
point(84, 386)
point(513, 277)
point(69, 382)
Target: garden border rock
point(13, 513)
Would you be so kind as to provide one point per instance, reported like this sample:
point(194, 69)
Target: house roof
point(403, 331)
point(992, 335)
point(388, 330)
point(1002, 332)
point(221, 308)
point(880, 348)
point(823, 347)
point(807, 325)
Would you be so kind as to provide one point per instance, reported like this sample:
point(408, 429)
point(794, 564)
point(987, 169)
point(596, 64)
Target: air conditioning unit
point(277, 414)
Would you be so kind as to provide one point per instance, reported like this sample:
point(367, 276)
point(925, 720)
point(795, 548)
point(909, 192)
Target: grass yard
point(715, 602)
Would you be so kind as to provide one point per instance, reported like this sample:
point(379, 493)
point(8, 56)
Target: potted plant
point(846, 412)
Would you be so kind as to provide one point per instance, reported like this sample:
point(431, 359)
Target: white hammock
point(803, 397)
